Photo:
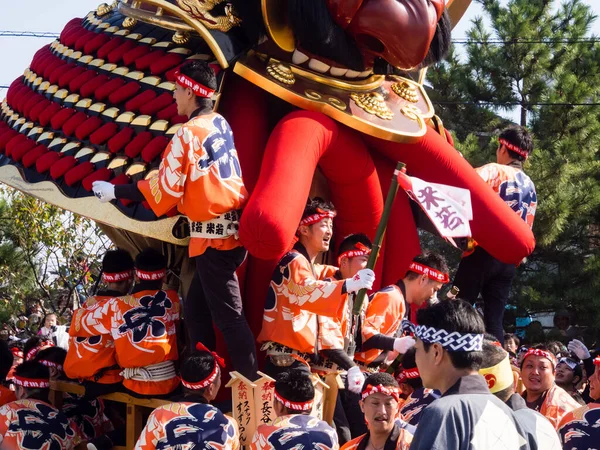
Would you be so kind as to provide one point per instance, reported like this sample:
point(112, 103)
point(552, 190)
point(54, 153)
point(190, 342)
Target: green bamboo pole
point(389, 201)
point(395, 364)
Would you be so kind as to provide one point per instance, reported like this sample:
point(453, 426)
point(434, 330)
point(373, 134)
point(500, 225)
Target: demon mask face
point(354, 33)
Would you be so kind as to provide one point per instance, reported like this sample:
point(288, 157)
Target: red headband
point(597, 361)
point(542, 353)
point(408, 374)
point(433, 274)
point(296, 406)
point(514, 148)
point(359, 249)
point(115, 277)
point(219, 362)
point(320, 215)
point(35, 350)
point(31, 382)
point(50, 363)
point(197, 88)
point(379, 389)
point(150, 276)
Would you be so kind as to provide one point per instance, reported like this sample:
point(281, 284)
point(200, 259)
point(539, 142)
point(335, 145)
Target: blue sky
point(44, 15)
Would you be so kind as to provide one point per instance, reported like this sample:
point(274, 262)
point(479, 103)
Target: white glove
point(363, 279)
point(401, 345)
point(579, 349)
point(356, 379)
point(104, 190)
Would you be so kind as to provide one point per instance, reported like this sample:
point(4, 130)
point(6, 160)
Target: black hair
point(350, 241)
point(494, 354)
point(380, 378)
point(440, 45)
point(115, 261)
point(459, 316)
point(410, 362)
point(53, 354)
point(430, 259)
point(197, 367)
point(151, 260)
point(37, 371)
point(201, 72)
point(295, 385)
point(316, 203)
point(317, 32)
point(34, 341)
point(520, 137)
point(6, 360)
point(512, 337)
point(556, 347)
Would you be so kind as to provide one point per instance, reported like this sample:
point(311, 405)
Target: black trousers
point(214, 296)
point(481, 273)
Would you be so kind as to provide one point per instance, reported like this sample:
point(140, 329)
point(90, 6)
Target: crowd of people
point(418, 372)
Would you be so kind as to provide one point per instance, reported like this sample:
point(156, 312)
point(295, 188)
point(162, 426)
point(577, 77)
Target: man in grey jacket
point(448, 355)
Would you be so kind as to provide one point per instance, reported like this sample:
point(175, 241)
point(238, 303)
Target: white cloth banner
point(448, 207)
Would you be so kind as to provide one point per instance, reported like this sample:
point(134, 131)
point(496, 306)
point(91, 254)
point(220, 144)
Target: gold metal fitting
point(373, 103)
point(406, 91)
point(281, 73)
point(181, 37)
point(103, 9)
point(129, 22)
point(411, 111)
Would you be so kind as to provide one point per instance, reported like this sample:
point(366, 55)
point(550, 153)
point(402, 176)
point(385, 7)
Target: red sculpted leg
point(293, 152)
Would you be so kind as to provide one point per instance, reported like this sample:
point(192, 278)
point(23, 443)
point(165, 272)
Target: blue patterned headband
point(452, 341)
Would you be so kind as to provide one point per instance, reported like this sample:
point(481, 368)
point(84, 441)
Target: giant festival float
point(324, 98)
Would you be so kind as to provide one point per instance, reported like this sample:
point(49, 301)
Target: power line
point(36, 34)
point(50, 34)
point(483, 103)
point(527, 41)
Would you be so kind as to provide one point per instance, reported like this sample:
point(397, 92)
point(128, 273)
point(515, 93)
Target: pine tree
point(539, 57)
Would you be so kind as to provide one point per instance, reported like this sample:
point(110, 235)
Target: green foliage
point(547, 67)
point(47, 255)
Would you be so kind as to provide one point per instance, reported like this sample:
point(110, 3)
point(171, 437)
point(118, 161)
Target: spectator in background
point(541, 393)
point(497, 371)
point(563, 331)
point(569, 375)
point(534, 333)
point(578, 349)
point(58, 333)
point(511, 344)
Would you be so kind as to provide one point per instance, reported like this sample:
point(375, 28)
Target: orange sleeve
point(383, 313)
point(93, 320)
point(374, 316)
point(319, 297)
point(165, 190)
